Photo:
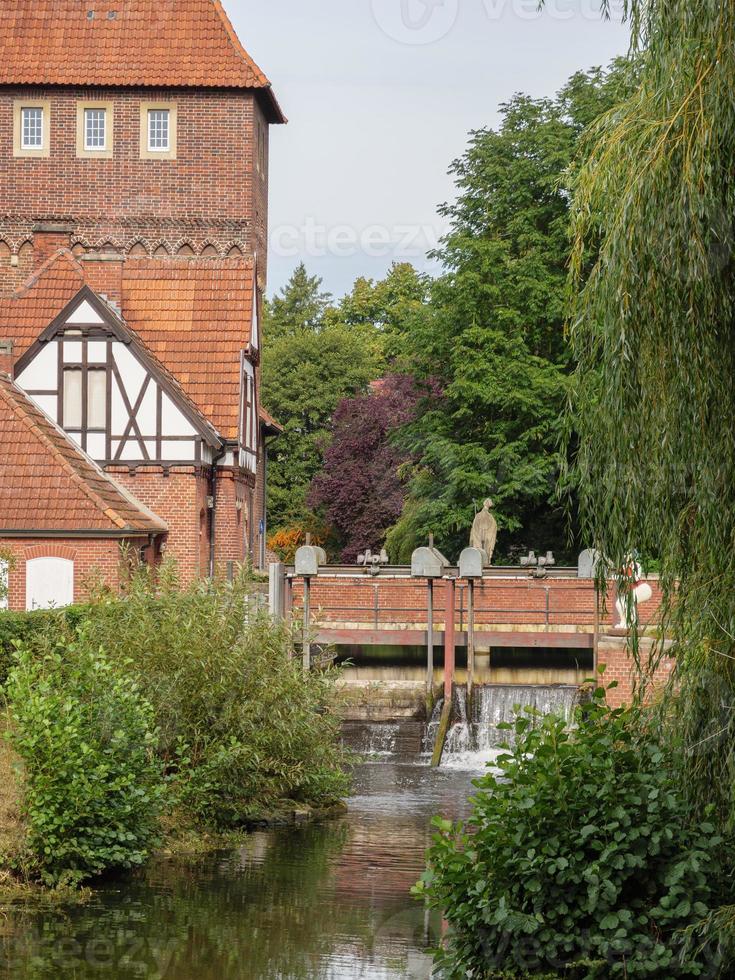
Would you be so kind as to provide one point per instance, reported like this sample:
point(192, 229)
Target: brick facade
point(96, 562)
point(204, 199)
point(539, 613)
point(210, 200)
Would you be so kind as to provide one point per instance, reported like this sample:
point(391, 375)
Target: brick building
point(133, 258)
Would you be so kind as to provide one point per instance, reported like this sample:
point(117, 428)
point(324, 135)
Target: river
point(320, 902)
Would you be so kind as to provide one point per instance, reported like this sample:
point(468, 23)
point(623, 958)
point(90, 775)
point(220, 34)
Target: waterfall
point(432, 728)
point(474, 742)
point(384, 740)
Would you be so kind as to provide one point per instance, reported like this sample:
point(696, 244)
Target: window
point(4, 583)
point(95, 135)
point(32, 137)
point(95, 129)
point(72, 398)
point(31, 129)
point(96, 399)
point(158, 130)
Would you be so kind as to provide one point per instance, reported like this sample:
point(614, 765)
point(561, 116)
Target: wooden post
point(430, 641)
point(449, 641)
point(306, 642)
point(596, 638)
point(470, 643)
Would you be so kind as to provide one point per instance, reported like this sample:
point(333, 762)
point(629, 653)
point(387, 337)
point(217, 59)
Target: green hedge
point(19, 627)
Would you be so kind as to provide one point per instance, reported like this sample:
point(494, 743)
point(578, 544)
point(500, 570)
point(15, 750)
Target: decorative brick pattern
point(211, 199)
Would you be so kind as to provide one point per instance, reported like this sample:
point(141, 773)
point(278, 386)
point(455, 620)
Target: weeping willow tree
point(653, 403)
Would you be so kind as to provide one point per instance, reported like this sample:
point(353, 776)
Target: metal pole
point(449, 641)
point(306, 628)
point(470, 642)
point(430, 641)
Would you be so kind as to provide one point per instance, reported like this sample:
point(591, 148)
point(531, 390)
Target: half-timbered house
point(133, 223)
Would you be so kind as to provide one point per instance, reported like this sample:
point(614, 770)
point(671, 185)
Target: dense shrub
point(93, 786)
point(579, 859)
point(21, 628)
point(241, 726)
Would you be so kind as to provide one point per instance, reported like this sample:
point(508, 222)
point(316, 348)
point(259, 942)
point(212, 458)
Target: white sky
point(380, 96)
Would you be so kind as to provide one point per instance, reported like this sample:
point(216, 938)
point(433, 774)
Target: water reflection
point(315, 903)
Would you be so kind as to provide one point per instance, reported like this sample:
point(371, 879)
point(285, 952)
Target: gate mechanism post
point(430, 640)
point(306, 636)
point(449, 641)
point(470, 641)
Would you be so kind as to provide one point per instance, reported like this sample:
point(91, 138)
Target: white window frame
point(96, 128)
point(147, 150)
point(4, 584)
point(84, 150)
point(20, 147)
point(37, 127)
point(159, 130)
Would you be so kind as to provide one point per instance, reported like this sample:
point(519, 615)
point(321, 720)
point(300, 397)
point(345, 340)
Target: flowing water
point(326, 902)
point(474, 738)
point(320, 902)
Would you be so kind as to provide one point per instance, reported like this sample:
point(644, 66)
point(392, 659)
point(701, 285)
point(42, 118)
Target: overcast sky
point(380, 96)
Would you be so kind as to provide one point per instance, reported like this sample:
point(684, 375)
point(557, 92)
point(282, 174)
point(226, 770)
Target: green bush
point(241, 727)
point(579, 859)
point(93, 786)
point(22, 628)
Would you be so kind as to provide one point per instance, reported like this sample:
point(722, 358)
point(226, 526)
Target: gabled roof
point(193, 317)
point(48, 484)
point(159, 43)
point(112, 320)
point(25, 314)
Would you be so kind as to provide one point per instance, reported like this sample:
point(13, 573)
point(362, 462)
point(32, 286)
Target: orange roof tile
point(48, 484)
point(25, 314)
point(195, 316)
point(267, 419)
point(161, 43)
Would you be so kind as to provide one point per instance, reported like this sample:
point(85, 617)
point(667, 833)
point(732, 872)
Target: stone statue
point(485, 531)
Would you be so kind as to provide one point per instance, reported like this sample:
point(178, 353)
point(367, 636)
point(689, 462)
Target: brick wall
point(502, 601)
point(179, 496)
point(212, 197)
point(95, 561)
point(613, 652)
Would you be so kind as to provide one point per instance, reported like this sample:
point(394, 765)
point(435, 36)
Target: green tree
point(653, 330)
point(494, 337)
point(311, 362)
point(301, 305)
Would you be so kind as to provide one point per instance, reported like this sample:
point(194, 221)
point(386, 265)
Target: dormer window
point(95, 129)
point(159, 130)
point(32, 128)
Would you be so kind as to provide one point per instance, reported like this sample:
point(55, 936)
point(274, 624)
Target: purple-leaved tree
point(359, 489)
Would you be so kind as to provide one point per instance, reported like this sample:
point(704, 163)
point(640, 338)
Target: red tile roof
point(160, 43)
point(193, 315)
point(48, 484)
point(25, 314)
point(267, 419)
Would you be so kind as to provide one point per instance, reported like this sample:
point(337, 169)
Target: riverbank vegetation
point(650, 437)
point(170, 711)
